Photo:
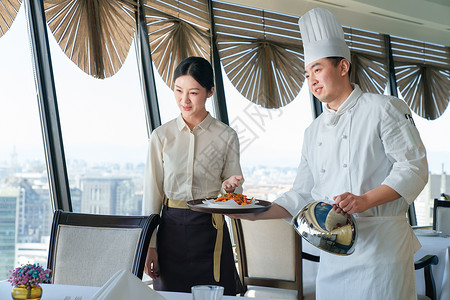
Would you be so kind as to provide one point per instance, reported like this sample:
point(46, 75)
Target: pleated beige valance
point(95, 34)
point(260, 51)
point(422, 70)
point(368, 55)
point(176, 29)
point(369, 73)
point(423, 76)
point(8, 12)
point(426, 89)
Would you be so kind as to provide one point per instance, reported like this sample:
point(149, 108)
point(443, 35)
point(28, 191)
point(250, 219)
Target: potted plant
point(26, 281)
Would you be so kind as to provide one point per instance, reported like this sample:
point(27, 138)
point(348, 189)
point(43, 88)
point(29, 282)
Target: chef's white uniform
point(371, 140)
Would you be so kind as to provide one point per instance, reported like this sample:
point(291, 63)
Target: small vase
point(21, 292)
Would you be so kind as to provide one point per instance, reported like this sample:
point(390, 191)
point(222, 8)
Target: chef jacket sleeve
point(300, 193)
point(153, 180)
point(404, 148)
point(232, 164)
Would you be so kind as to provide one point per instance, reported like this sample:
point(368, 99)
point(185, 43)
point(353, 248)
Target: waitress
point(364, 156)
point(191, 157)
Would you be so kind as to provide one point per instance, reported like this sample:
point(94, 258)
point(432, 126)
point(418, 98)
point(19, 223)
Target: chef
point(364, 156)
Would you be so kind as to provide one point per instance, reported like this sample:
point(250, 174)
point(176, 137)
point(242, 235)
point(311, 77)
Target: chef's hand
point(231, 183)
point(349, 203)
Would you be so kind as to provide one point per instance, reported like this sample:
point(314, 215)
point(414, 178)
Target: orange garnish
point(238, 198)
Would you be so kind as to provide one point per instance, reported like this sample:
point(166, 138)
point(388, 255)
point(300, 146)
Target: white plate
point(427, 232)
point(199, 205)
point(229, 204)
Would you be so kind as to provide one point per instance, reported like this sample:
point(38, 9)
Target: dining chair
point(87, 249)
point(430, 286)
point(411, 215)
point(441, 216)
point(425, 262)
point(270, 260)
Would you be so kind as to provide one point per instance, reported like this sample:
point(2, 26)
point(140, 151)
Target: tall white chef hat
point(322, 36)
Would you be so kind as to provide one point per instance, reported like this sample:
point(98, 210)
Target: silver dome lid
point(326, 229)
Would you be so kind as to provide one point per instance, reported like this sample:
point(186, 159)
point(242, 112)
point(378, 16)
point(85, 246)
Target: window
point(104, 134)
point(270, 153)
point(25, 209)
point(434, 136)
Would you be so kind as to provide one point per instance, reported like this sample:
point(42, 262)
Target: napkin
point(125, 285)
point(228, 204)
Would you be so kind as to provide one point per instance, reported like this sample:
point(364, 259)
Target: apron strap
point(217, 222)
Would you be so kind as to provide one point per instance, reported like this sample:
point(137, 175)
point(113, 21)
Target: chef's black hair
point(336, 60)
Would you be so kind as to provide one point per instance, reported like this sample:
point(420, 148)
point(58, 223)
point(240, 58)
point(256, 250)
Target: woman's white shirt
point(186, 165)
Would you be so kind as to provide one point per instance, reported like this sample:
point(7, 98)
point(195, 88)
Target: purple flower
point(29, 275)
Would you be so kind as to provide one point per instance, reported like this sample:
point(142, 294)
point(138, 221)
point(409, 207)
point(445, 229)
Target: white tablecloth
point(439, 246)
point(59, 292)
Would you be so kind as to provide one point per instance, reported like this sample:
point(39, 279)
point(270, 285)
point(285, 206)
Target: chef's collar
point(203, 124)
point(332, 117)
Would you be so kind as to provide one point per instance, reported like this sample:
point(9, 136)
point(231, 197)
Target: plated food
point(229, 203)
point(238, 198)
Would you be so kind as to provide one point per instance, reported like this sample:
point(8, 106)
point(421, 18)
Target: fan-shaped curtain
point(368, 55)
point(95, 34)
point(176, 31)
point(426, 89)
point(423, 75)
point(261, 53)
point(369, 73)
point(266, 73)
point(8, 12)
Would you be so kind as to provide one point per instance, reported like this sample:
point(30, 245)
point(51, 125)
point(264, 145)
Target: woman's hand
point(232, 183)
point(151, 263)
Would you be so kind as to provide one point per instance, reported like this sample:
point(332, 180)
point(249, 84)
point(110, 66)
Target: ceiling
point(424, 20)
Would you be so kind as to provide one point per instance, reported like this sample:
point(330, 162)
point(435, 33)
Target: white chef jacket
point(373, 141)
point(186, 165)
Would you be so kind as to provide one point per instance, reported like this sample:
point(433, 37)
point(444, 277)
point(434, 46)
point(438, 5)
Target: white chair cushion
point(80, 251)
point(272, 259)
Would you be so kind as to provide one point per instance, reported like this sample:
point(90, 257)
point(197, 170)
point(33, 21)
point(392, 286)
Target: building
point(114, 195)
point(437, 184)
point(9, 200)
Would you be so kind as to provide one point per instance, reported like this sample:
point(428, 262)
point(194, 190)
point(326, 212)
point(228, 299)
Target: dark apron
point(185, 245)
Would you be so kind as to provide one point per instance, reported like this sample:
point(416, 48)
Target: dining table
point(60, 292)
point(439, 245)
